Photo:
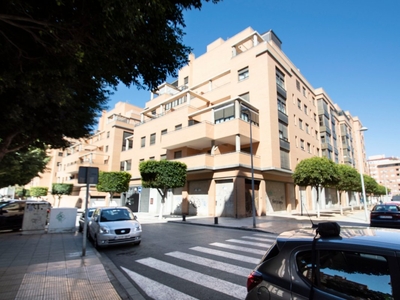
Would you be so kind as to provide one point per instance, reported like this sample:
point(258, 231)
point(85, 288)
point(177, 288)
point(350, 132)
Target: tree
point(349, 179)
point(21, 192)
point(162, 175)
point(317, 172)
point(18, 168)
point(370, 184)
point(60, 60)
point(60, 189)
point(38, 191)
point(113, 182)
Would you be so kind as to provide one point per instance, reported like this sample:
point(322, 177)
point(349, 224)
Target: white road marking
point(238, 248)
point(230, 255)
point(156, 290)
point(210, 282)
point(214, 264)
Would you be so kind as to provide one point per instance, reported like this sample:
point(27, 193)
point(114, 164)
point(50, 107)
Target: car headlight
point(104, 229)
point(138, 228)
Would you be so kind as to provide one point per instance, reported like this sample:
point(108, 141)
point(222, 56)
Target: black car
point(359, 263)
point(12, 214)
point(386, 215)
point(82, 218)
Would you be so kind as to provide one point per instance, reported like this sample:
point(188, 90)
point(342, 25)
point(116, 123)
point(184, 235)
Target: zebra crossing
point(217, 271)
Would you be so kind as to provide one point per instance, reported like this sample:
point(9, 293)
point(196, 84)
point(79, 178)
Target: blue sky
point(349, 48)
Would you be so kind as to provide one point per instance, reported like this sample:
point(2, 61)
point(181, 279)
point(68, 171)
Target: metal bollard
point(215, 220)
point(183, 217)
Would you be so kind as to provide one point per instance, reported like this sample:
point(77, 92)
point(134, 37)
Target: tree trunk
point(163, 194)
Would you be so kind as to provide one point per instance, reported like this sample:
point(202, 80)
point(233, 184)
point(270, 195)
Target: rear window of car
point(386, 208)
point(347, 273)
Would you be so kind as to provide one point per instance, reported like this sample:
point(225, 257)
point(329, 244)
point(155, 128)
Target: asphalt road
point(191, 262)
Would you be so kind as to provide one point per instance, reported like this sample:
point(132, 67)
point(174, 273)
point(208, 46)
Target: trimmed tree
point(113, 183)
point(162, 175)
point(60, 189)
point(317, 172)
point(21, 192)
point(38, 191)
point(349, 179)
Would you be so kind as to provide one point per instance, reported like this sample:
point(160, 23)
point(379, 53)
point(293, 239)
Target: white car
point(114, 225)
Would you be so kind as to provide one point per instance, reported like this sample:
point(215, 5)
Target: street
point(191, 262)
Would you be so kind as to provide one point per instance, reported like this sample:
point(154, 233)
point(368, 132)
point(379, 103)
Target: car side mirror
point(135, 217)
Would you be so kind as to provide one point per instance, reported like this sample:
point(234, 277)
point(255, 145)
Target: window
point(308, 148)
point(316, 134)
point(307, 128)
point(127, 142)
point(178, 127)
point(297, 85)
point(106, 150)
point(186, 80)
point(243, 74)
point(305, 109)
point(304, 92)
point(152, 139)
point(108, 134)
point(126, 165)
point(151, 157)
point(163, 156)
point(280, 79)
point(283, 131)
point(285, 160)
point(153, 112)
point(299, 103)
point(60, 154)
point(315, 117)
point(347, 274)
point(164, 131)
point(177, 154)
point(302, 144)
point(301, 124)
point(143, 142)
point(281, 105)
point(224, 114)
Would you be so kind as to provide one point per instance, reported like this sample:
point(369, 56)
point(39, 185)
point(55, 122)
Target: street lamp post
point(253, 207)
point(360, 160)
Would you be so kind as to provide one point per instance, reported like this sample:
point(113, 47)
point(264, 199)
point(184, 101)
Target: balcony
point(201, 135)
point(209, 162)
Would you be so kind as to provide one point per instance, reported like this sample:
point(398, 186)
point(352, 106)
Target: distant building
point(242, 95)
point(386, 171)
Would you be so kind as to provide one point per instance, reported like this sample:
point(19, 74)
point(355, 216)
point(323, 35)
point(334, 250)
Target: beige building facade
point(386, 171)
point(240, 113)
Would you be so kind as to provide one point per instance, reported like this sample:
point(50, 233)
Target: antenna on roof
point(312, 223)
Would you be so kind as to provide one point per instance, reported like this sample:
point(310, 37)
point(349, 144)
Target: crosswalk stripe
point(210, 282)
point(156, 290)
point(243, 258)
point(238, 248)
point(265, 246)
point(214, 264)
point(269, 240)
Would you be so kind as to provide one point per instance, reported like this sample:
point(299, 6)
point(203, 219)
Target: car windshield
point(115, 214)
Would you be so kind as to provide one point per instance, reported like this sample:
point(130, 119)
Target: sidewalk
point(51, 266)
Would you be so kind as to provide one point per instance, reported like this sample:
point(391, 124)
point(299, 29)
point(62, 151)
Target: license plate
point(385, 217)
point(119, 237)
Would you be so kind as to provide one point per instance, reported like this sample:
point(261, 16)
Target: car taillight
point(253, 280)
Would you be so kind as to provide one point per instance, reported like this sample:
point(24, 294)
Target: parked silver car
point(359, 263)
point(114, 225)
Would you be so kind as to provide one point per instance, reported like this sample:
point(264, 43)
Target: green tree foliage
point(38, 191)
point(349, 178)
point(317, 172)
point(60, 189)
point(113, 182)
point(370, 184)
point(21, 192)
point(18, 168)
point(60, 59)
point(162, 175)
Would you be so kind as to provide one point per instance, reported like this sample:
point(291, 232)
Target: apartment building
point(241, 113)
point(386, 171)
